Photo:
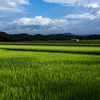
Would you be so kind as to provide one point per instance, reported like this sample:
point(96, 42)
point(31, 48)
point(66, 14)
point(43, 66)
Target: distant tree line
point(89, 37)
point(4, 37)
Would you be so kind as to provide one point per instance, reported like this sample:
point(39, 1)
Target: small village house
point(74, 39)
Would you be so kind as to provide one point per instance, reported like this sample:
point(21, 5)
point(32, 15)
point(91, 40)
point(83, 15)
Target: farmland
point(54, 70)
point(56, 43)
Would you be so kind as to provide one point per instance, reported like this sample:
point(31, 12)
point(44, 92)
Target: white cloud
point(40, 25)
point(38, 20)
point(37, 25)
point(85, 3)
point(83, 9)
point(80, 16)
point(13, 5)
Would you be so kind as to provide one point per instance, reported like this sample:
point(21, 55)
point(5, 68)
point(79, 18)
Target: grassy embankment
point(64, 75)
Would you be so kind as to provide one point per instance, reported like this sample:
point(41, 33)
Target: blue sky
point(50, 16)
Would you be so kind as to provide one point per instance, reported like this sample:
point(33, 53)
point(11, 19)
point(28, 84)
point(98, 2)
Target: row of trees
point(25, 37)
point(90, 37)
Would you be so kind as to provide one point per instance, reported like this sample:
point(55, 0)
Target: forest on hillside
point(4, 37)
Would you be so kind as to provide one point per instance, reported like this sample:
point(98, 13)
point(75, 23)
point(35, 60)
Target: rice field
point(59, 49)
point(56, 43)
point(49, 72)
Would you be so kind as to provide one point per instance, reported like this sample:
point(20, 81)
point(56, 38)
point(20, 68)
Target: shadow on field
point(55, 51)
point(71, 90)
point(79, 62)
point(19, 63)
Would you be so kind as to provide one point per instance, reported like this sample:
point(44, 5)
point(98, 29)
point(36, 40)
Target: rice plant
point(30, 75)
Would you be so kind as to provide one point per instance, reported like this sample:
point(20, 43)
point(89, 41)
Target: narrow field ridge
point(53, 51)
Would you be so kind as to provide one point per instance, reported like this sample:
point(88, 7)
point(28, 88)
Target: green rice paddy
point(30, 72)
point(56, 43)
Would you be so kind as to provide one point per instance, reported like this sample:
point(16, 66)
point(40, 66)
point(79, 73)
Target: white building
point(74, 39)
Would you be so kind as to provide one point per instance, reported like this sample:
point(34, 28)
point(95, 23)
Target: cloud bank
point(86, 3)
point(40, 25)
